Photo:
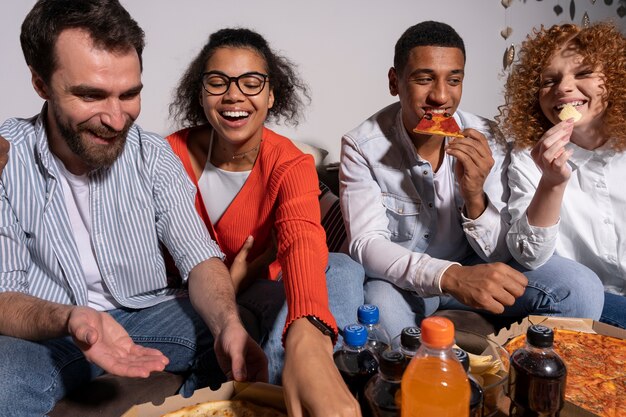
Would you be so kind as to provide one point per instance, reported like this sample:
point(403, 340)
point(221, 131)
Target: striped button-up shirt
point(142, 200)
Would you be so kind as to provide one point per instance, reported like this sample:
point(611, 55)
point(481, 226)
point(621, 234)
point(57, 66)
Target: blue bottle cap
point(368, 314)
point(355, 335)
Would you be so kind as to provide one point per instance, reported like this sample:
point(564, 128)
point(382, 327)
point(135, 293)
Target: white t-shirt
point(219, 187)
point(76, 195)
point(450, 237)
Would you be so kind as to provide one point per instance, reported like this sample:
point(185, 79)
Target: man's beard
point(94, 155)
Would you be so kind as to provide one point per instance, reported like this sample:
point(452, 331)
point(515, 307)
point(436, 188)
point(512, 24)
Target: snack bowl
point(489, 365)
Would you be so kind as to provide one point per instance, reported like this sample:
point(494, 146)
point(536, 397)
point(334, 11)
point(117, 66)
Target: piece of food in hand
point(442, 124)
point(226, 408)
point(569, 112)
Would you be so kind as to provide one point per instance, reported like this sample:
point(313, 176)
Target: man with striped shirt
point(87, 198)
point(4, 154)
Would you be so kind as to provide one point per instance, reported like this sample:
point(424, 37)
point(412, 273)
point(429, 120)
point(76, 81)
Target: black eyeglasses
point(217, 83)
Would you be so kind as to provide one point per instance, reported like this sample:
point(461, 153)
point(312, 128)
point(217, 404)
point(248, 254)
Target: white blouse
point(592, 226)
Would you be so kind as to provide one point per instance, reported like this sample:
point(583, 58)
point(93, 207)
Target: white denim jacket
point(387, 200)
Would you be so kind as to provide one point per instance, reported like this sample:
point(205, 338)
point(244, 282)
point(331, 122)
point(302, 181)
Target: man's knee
point(344, 279)
point(26, 383)
point(572, 288)
point(341, 265)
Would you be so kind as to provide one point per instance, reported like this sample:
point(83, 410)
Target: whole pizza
point(596, 369)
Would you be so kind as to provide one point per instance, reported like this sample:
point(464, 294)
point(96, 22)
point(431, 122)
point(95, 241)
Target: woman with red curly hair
point(566, 175)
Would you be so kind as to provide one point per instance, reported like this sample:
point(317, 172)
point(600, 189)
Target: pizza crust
point(226, 408)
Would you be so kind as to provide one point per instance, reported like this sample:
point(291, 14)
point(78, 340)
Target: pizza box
point(566, 323)
point(257, 392)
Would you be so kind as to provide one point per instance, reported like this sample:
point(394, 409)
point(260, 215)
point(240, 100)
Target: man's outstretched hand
point(107, 344)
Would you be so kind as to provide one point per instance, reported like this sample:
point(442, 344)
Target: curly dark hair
point(428, 33)
point(107, 22)
point(289, 89)
point(601, 45)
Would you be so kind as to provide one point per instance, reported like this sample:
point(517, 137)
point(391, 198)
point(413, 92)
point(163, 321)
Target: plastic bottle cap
point(410, 337)
point(355, 335)
point(392, 364)
point(463, 357)
point(437, 331)
point(368, 314)
point(540, 336)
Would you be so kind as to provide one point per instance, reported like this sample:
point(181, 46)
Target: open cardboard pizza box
point(581, 325)
point(259, 393)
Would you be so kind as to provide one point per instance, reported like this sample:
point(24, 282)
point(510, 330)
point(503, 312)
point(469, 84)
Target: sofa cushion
point(332, 221)
point(318, 154)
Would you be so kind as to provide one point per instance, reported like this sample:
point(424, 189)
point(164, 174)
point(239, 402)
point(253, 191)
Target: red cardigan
point(281, 193)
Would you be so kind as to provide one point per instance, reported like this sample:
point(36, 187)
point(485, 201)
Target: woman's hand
point(313, 385)
point(243, 272)
point(550, 154)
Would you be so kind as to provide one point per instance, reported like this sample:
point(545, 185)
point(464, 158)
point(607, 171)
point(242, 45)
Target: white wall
point(344, 49)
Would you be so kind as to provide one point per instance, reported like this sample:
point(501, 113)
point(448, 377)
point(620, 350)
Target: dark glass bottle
point(355, 362)
point(382, 390)
point(476, 391)
point(537, 376)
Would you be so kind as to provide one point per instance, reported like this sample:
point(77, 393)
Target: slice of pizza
point(442, 124)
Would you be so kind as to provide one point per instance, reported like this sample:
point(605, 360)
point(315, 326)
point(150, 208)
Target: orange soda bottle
point(435, 383)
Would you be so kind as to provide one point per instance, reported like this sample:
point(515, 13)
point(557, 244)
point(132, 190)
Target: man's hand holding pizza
point(474, 162)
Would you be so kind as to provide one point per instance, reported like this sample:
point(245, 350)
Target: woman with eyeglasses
point(258, 195)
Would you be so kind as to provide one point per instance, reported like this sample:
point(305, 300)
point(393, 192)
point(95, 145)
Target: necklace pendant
point(242, 155)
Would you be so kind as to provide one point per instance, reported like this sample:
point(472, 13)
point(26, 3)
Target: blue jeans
point(560, 287)
point(344, 280)
point(34, 376)
point(614, 311)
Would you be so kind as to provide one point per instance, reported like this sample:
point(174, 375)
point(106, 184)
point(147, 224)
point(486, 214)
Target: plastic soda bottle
point(476, 391)
point(410, 341)
point(382, 391)
point(355, 362)
point(435, 383)
point(377, 337)
point(537, 376)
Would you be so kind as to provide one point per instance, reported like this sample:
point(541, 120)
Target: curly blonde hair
point(601, 45)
